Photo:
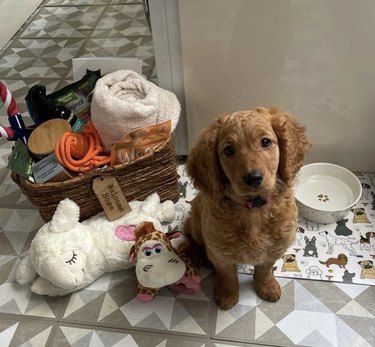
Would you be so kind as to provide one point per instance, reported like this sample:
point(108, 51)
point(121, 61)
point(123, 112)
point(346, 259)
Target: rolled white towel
point(124, 101)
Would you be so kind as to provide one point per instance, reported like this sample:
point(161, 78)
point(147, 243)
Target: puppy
point(244, 166)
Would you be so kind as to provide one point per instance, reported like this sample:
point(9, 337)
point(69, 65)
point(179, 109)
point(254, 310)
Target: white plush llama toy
point(67, 255)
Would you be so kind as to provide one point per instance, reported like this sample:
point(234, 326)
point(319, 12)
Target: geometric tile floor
point(106, 313)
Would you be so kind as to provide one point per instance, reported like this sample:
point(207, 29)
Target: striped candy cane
point(18, 129)
point(8, 100)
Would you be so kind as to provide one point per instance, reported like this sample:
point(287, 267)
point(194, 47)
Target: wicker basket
point(154, 172)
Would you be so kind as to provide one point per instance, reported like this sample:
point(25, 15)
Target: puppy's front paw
point(226, 298)
point(269, 291)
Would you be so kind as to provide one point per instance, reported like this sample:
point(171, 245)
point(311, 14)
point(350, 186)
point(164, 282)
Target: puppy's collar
point(248, 202)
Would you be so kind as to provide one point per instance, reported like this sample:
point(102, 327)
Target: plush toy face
point(157, 266)
point(65, 270)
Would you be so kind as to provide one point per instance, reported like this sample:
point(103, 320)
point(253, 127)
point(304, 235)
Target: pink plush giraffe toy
point(161, 261)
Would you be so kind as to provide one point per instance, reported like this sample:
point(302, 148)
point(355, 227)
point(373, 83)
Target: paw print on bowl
point(323, 197)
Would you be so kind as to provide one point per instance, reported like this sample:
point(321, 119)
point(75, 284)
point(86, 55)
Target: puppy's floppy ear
point(293, 144)
point(203, 163)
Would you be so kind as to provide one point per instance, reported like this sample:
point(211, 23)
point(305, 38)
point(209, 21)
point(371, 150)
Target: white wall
point(314, 58)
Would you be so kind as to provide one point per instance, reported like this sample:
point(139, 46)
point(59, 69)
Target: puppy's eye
point(229, 150)
point(265, 142)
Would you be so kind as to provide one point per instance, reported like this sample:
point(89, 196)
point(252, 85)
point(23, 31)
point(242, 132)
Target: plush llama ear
point(203, 163)
point(66, 216)
point(132, 255)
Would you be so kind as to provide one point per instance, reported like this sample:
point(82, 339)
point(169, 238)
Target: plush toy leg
point(187, 285)
point(146, 294)
point(191, 282)
point(26, 272)
point(42, 286)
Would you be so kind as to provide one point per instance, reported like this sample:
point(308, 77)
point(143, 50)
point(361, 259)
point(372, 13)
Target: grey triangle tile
point(29, 331)
point(243, 327)
point(6, 268)
point(366, 299)
point(315, 339)
point(10, 307)
point(306, 301)
point(115, 319)
point(152, 321)
point(125, 291)
point(275, 336)
point(328, 294)
point(355, 330)
point(277, 311)
point(58, 305)
point(85, 340)
point(84, 305)
point(6, 247)
point(179, 314)
point(199, 310)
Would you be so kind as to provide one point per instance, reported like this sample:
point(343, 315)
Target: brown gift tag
point(111, 197)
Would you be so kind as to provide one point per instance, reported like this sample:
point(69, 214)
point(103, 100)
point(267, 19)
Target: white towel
point(124, 101)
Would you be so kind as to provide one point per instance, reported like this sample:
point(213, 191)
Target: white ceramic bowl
point(326, 192)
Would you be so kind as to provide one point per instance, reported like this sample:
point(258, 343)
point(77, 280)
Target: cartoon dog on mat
point(367, 269)
point(346, 242)
point(360, 215)
point(290, 263)
point(340, 261)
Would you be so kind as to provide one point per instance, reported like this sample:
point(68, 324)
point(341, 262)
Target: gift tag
point(111, 197)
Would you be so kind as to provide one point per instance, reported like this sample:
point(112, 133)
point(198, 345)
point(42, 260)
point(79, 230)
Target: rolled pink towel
point(124, 101)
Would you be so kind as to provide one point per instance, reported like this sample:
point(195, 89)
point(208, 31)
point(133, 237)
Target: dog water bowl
point(325, 192)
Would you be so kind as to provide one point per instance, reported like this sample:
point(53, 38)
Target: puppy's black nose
point(253, 179)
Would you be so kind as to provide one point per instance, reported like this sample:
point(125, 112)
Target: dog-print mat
point(340, 252)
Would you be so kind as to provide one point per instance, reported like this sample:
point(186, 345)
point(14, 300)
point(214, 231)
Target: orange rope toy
point(79, 152)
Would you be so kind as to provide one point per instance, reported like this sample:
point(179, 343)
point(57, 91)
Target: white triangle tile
point(6, 335)
point(348, 337)
point(224, 320)
point(304, 300)
point(189, 325)
point(308, 322)
point(75, 303)
point(262, 323)
point(162, 344)
point(102, 283)
point(353, 308)
point(109, 306)
point(135, 311)
point(248, 295)
point(197, 297)
point(14, 291)
point(42, 310)
point(17, 239)
point(353, 290)
point(127, 341)
point(95, 341)
point(73, 334)
point(40, 339)
point(80, 299)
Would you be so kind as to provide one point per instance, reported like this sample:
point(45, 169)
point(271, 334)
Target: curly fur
point(231, 233)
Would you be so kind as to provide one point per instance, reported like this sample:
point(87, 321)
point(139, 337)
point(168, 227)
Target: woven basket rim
point(98, 172)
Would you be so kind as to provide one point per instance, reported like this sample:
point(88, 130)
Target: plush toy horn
point(66, 216)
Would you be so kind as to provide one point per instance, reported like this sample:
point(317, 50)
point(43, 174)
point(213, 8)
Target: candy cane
point(18, 128)
point(8, 100)
point(6, 132)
